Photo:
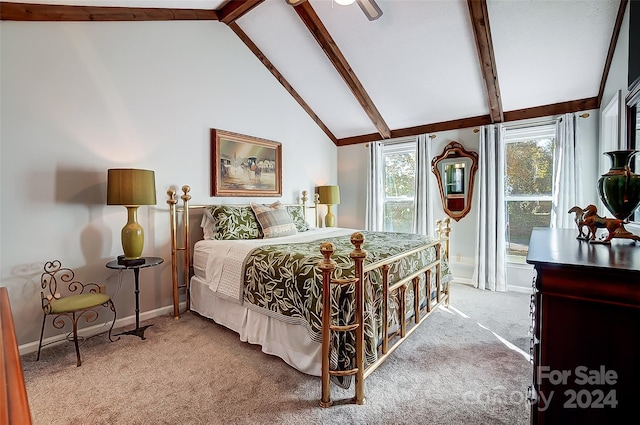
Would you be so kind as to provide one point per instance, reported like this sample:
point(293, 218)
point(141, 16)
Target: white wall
point(618, 80)
point(79, 98)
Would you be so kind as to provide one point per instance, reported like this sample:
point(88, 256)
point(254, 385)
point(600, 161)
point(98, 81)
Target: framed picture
point(245, 165)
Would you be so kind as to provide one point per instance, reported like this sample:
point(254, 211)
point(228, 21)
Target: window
point(528, 184)
point(399, 161)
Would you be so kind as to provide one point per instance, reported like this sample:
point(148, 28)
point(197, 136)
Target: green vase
point(619, 188)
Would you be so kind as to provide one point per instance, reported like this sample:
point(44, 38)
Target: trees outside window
point(399, 186)
point(528, 183)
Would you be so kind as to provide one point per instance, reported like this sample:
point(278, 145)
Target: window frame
point(518, 134)
point(399, 146)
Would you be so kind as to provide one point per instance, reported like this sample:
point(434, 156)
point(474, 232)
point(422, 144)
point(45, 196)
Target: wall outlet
point(459, 257)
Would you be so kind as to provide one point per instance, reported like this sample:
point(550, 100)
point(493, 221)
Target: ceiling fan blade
point(370, 8)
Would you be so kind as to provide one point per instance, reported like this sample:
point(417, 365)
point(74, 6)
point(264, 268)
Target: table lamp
point(329, 196)
point(131, 188)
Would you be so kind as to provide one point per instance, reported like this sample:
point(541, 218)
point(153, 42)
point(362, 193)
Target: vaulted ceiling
point(421, 67)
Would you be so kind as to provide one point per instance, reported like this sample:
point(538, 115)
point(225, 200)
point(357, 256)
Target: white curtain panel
point(567, 172)
point(375, 208)
point(490, 266)
point(423, 213)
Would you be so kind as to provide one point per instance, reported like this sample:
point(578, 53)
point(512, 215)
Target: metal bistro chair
point(81, 301)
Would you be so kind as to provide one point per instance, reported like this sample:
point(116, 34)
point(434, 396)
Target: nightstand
point(143, 263)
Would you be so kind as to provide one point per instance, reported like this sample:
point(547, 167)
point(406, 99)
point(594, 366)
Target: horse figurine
point(579, 214)
point(592, 221)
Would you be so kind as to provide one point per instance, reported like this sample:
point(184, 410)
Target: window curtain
point(567, 172)
point(490, 270)
point(423, 211)
point(375, 208)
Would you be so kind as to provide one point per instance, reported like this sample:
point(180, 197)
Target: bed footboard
point(390, 340)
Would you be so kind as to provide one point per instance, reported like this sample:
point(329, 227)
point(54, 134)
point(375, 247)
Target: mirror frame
point(455, 150)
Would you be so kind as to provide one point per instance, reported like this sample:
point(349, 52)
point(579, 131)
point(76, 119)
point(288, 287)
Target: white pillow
point(274, 220)
point(209, 228)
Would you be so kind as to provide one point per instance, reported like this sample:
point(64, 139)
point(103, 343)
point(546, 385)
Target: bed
point(264, 272)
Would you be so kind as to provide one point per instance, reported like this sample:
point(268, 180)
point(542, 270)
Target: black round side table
point(142, 263)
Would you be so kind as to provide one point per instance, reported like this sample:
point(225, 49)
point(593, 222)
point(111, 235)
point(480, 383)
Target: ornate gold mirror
point(455, 170)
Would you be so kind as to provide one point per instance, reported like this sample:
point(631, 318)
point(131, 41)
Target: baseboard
point(512, 288)
point(32, 347)
point(522, 289)
point(463, 280)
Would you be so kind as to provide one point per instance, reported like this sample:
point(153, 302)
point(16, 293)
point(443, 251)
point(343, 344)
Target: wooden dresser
point(14, 406)
point(586, 329)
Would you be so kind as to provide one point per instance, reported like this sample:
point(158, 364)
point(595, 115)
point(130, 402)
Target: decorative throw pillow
point(230, 222)
point(274, 220)
point(297, 215)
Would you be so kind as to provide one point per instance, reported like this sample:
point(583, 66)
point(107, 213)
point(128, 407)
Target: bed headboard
point(184, 235)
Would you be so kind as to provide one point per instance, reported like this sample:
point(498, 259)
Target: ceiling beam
point(326, 42)
point(52, 12)
point(553, 109)
point(421, 129)
point(267, 63)
point(443, 126)
point(612, 49)
point(482, 33)
point(516, 115)
point(236, 9)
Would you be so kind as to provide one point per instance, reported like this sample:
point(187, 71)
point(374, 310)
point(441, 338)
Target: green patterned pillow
point(274, 220)
point(232, 222)
point(297, 215)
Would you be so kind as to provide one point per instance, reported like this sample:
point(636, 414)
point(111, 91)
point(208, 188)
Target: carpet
point(466, 364)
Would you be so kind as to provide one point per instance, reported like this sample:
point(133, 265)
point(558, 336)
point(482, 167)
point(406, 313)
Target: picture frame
point(245, 165)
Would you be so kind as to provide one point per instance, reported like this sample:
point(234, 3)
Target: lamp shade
point(329, 195)
point(130, 186)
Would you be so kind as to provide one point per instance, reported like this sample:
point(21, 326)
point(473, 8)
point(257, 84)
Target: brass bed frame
point(182, 244)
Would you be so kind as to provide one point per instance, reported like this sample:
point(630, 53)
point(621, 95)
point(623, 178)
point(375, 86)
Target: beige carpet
point(454, 370)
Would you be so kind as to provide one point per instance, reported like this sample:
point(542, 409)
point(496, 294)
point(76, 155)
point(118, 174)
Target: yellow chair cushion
point(78, 302)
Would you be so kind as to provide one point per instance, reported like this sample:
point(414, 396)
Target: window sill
point(517, 260)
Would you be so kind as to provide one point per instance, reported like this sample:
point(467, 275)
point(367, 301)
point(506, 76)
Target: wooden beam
point(421, 129)
point(612, 49)
point(235, 9)
point(356, 140)
point(516, 115)
point(52, 12)
point(484, 45)
point(326, 42)
point(553, 109)
point(443, 126)
point(267, 63)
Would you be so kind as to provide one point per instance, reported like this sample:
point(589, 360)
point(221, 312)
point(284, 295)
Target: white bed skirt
point(289, 342)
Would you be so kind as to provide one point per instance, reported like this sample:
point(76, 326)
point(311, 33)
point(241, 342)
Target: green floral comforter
point(284, 282)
